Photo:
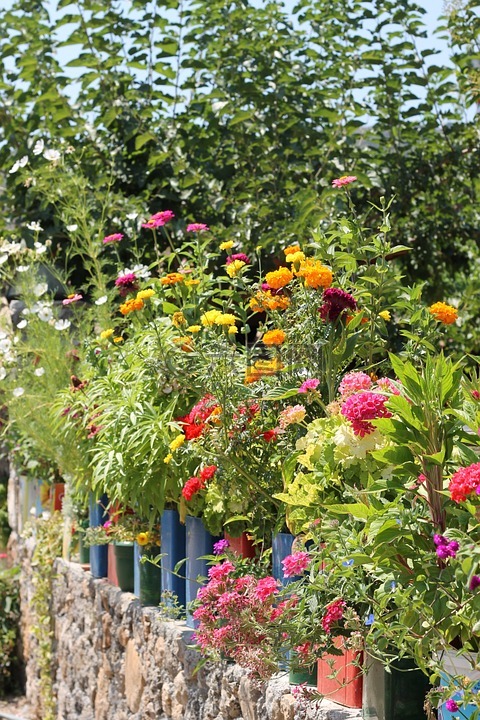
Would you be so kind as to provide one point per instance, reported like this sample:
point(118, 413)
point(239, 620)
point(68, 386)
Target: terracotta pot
point(346, 687)
point(242, 546)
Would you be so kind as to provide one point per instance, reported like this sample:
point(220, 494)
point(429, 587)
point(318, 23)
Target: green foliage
point(9, 623)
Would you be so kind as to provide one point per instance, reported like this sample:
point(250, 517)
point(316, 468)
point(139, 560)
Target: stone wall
point(115, 660)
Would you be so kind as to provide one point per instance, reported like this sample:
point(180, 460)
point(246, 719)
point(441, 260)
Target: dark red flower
point(335, 302)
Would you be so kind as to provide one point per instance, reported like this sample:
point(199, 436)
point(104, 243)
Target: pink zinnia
point(126, 283)
point(72, 299)
point(159, 219)
point(344, 180)
point(238, 256)
point(309, 385)
point(354, 382)
point(362, 407)
point(197, 227)
point(465, 482)
point(295, 564)
point(265, 587)
point(116, 237)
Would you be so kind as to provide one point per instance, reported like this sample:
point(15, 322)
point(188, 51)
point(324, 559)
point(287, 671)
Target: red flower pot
point(112, 566)
point(346, 687)
point(241, 546)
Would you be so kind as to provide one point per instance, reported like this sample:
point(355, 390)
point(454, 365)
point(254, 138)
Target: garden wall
point(115, 660)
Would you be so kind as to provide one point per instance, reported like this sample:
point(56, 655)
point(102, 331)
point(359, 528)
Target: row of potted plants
point(307, 396)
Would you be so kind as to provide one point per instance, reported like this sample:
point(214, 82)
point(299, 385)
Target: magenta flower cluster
point(234, 614)
point(115, 237)
point(238, 256)
point(126, 283)
point(309, 385)
point(158, 220)
point(445, 548)
point(295, 564)
point(363, 407)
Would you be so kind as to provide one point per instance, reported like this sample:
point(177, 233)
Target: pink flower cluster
point(334, 612)
point(291, 415)
point(115, 237)
point(295, 564)
point(465, 482)
point(309, 385)
point(197, 227)
point(158, 219)
point(127, 282)
point(354, 382)
point(238, 256)
point(362, 407)
point(344, 180)
point(234, 614)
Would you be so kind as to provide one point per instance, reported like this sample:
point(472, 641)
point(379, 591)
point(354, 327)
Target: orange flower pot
point(347, 686)
point(241, 546)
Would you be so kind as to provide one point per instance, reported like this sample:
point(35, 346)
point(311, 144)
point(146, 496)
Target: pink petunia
point(344, 180)
point(116, 237)
point(197, 227)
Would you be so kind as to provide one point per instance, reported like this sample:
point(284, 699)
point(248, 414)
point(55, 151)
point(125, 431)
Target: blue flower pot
point(281, 548)
point(98, 553)
point(199, 542)
point(173, 548)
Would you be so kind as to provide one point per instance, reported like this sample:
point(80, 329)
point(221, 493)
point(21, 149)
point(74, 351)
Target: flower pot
point(98, 553)
point(302, 675)
point(150, 579)
point(346, 687)
point(281, 547)
point(241, 546)
point(57, 493)
point(199, 542)
point(83, 552)
point(395, 695)
point(112, 565)
point(454, 664)
point(173, 542)
point(123, 555)
point(136, 569)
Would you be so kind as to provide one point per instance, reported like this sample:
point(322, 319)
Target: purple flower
point(451, 706)
point(445, 548)
point(474, 582)
point(220, 547)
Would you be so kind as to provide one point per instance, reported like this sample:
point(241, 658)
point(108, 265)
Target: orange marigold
point(172, 278)
point(315, 274)
point(130, 305)
point(274, 337)
point(266, 301)
point(443, 313)
point(292, 249)
point(185, 342)
point(279, 278)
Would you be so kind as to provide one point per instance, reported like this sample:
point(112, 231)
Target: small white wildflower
point(3, 259)
point(22, 324)
point(132, 216)
point(62, 324)
point(3, 373)
point(72, 228)
point(34, 226)
point(5, 345)
point(40, 248)
point(101, 300)
point(18, 392)
point(18, 164)
point(23, 268)
point(45, 314)
point(140, 271)
point(52, 155)
point(38, 147)
point(39, 289)
point(39, 372)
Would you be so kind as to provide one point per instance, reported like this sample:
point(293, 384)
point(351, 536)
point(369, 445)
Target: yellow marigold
point(274, 337)
point(168, 458)
point(315, 274)
point(232, 330)
point(105, 334)
point(172, 279)
point(443, 313)
point(178, 318)
point(225, 319)
point(234, 268)
point(194, 328)
point(291, 249)
point(279, 278)
point(185, 343)
point(226, 245)
point(177, 442)
point(142, 538)
point(208, 318)
point(191, 282)
point(130, 305)
point(145, 294)
point(264, 300)
point(385, 314)
point(118, 339)
point(295, 257)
